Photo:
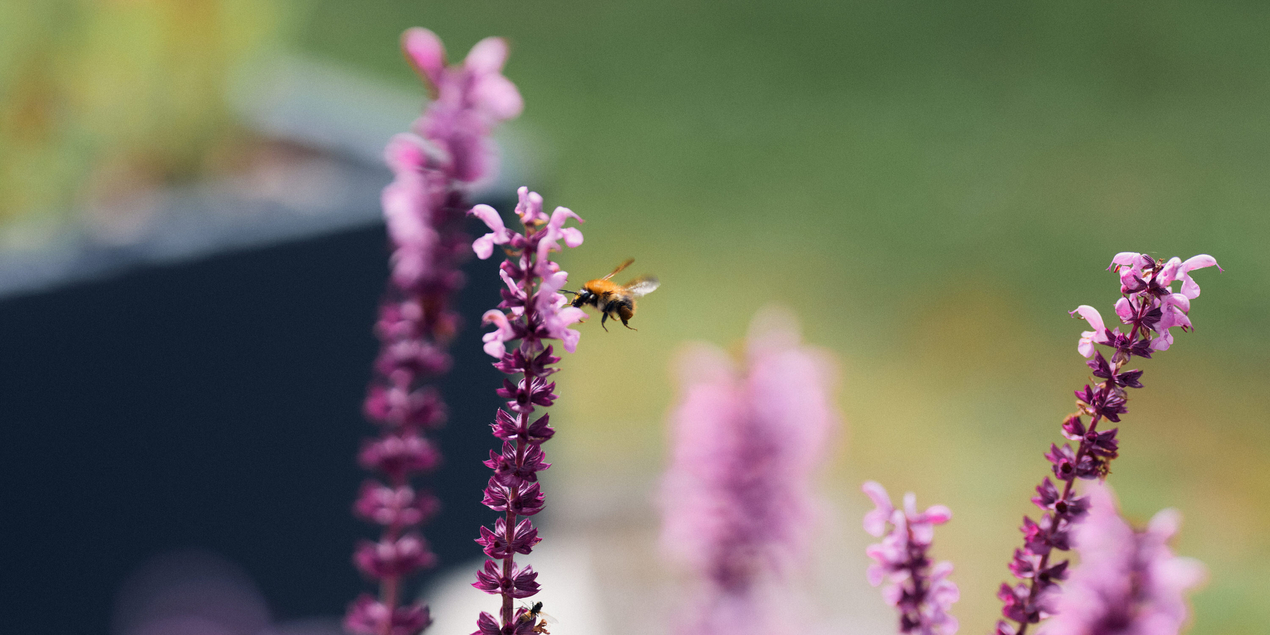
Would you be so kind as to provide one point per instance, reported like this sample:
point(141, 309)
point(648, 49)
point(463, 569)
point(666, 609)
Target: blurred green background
point(930, 186)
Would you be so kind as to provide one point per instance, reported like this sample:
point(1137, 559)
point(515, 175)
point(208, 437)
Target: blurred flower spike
point(737, 499)
point(1150, 307)
point(469, 100)
point(532, 312)
point(923, 594)
point(434, 167)
point(1128, 580)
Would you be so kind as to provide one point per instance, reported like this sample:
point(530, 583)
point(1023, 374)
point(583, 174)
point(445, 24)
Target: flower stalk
point(532, 311)
point(737, 499)
point(921, 593)
point(435, 167)
point(1151, 308)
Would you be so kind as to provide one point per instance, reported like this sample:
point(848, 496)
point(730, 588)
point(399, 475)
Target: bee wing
point(548, 618)
point(642, 286)
point(619, 268)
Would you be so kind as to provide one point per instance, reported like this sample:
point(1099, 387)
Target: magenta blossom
point(533, 312)
point(1128, 582)
point(923, 594)
point(737, 499)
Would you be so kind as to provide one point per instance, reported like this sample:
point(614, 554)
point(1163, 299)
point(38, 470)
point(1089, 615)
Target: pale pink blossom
point(496, 340)
point(737, 499)
point(923, 594)
point(556, 231)
point(1096, 336)
point(1128, 582)
point(498, 235)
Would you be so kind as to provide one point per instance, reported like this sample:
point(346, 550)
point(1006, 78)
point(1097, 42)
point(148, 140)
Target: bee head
point(583, 297)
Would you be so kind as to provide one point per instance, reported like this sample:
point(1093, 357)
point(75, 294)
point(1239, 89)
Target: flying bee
point(535, 614)
point(613, 299)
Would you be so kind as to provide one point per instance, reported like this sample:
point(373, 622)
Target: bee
point(613, 299)
point(535, 614)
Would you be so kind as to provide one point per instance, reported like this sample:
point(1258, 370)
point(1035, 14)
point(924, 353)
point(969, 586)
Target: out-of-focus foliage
point(102, 97)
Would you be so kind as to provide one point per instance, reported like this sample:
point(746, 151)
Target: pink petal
point(572, 236)
point(910, 504)
point(937, 514)
point(1181, 573)
point(490, 217)
point(529, 209)
point(875, 521)
point(1168, 273)
point(1199, 262)
point(405, 153)
point(425, 51)
point(1091, 315)
point(570, 339)
point(1085, 347)
point(484, 246)
point(1165, 523)
point(569, 315)
point(1124, 309)
point(1178, 300)
point(1124, 259)
point(488, 56)
point(499, 96)
point(561, 215)
point(878, 495)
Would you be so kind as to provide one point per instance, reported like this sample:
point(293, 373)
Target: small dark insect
point(613, 299)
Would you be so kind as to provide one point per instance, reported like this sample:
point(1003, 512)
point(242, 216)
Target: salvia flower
point(433, 168)
point(1128, 581)
point(920, 591)
point(737, 499)
point(1149, 308)
point(532, 312)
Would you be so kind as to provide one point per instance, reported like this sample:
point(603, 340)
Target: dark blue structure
point(212, 404)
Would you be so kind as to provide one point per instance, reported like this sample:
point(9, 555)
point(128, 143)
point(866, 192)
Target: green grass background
point(931, 186)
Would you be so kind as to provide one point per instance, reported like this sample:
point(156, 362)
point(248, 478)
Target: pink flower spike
point(499, 234)
point(426, 53)
point(922, 593)
point(1088, 338)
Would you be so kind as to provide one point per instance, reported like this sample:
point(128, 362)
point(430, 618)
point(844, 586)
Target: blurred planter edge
point(318, 170)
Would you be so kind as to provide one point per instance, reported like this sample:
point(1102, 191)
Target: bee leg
point(626, 311)
point(603, 319)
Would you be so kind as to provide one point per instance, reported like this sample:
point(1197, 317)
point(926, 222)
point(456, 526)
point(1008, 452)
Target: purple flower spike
point(1128, 580)
point(921, 593)
point(533, 312)
point(1149, 307)
point(424, 210)
point(737, 498)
